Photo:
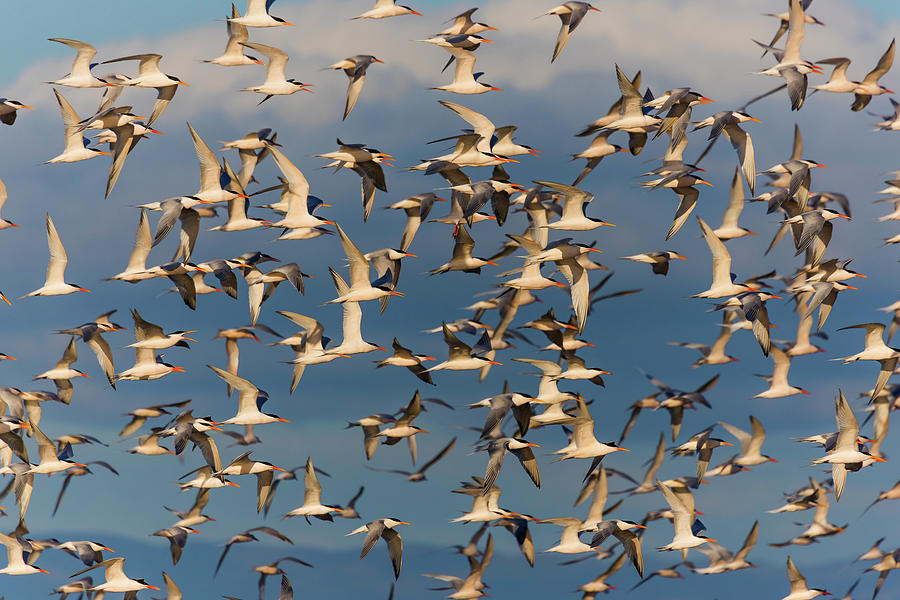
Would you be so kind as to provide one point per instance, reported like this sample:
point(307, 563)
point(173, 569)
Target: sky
point(674, 43)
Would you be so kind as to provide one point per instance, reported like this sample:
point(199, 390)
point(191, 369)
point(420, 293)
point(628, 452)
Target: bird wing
point(313, 491)
point(529, 463)
point(796, 30)
point(687, 200)
point(359, 266)
point(210, 170)
point(395, 549)
point(373, 532)
point(579, 288)
point(883, 66)
point(103, 353)
point(721, 258)
point(277, 61)
point(438, 456)
point(56, 268)
point(743, 144)
point(848, 427)
point(632, 545)
point(749, 542)
point(798, 582)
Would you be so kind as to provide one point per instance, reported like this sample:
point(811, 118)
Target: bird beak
point(152, 587)
point(184, 84)
point(860, 275)
point(509, 159)
point(232, 483)
point(415, 13)
point(879, 459)
point(494, 362)
point(593, 8)
point(680, 257)
point(428, 358)
point(843, 216)
point(488, 262)
point(79, 289)
point(287, 23)
point(410, 255)
point(396, 293)
point(624, 449)
point(279, 469)
point(711, 540)
point(496, 89)
point(727, 444)
point(404, 523)
point(177, 370)
point(754, 119)
point(28, 107)
point(533, 445)
point(704, 100)
point(84, 375)
point(487, 41)
point(533, 151)
point(641, 526)
point(704, 182)
point(109, 549)
point(8, 357)
point(283, 420)
point(772, 460)
point(378, 61)
point(778, 297)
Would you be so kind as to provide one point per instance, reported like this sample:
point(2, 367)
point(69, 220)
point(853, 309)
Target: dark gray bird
point(355, 69)
point(383, 528)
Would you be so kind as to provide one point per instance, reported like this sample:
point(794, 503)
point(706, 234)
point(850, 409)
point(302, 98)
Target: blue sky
point(397, 115)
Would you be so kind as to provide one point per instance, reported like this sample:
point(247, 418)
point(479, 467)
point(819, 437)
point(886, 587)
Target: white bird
point(722, 282)
point(799, 591)
point(75, 149)
point(361, 289)
point(751, 443)
point(778, 381)
point(249, 404)
point(234, 50)
point(846, 449)
point(275, 84)
point(683, 519)
point(257, 15)
point(387, 8)
point(312, 498)
point(875, 350)
point(15, 564)
point(116, 580)
point(464, 79)
point(55, 284)
point(80, 76)
point(4, 224)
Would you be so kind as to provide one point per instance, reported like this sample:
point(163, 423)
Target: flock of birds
point(555, 239)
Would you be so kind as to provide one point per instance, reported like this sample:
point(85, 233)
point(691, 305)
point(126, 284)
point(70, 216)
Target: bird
point(9, 110)
point(150, 76)
point(115, 578)
point(682, 523)
point(723, 281)
point(383, 528)
point(465, 80)
point(463, 357)
point(845, 454)
point(250, 399)
point(55, 285)
point(75, 150)
point(751, 443)
point(355, 68)
point(799, 590)
point(419, 475)
point(275, 84)
point(387, 8)
point(622, 531)
point(570, 14)
point(257, 15)
point(80, 75)
point(869, 86)
point(875, 349)
point(312, 498)
point(248, 536)
point(497, 450)
point(658, 261)
point(16, 564)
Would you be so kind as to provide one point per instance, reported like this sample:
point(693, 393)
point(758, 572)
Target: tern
point(465, 80)
point(16, 564)
point(682, 522)
point(875, 350)
point(383, 528)
point(8, 110)
point(234, 56)
point(869, 86)
point(312, 498)
point(115, 578)
point(387, 8)
point(622, 531)
point(658, 261)
point(846, 451)
point(355, 68)
point(361, 289)
point(571, 15)
point(250, 399)
point(257, 15)
point(150, 76)
point(463, 357)
point(791, 67)
point(80, 76)
point(275, 84)
point(799, 591)
point(723, 282)
point(75, 149)
point(497, 450)
point(55, 285)
point(751, 443)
